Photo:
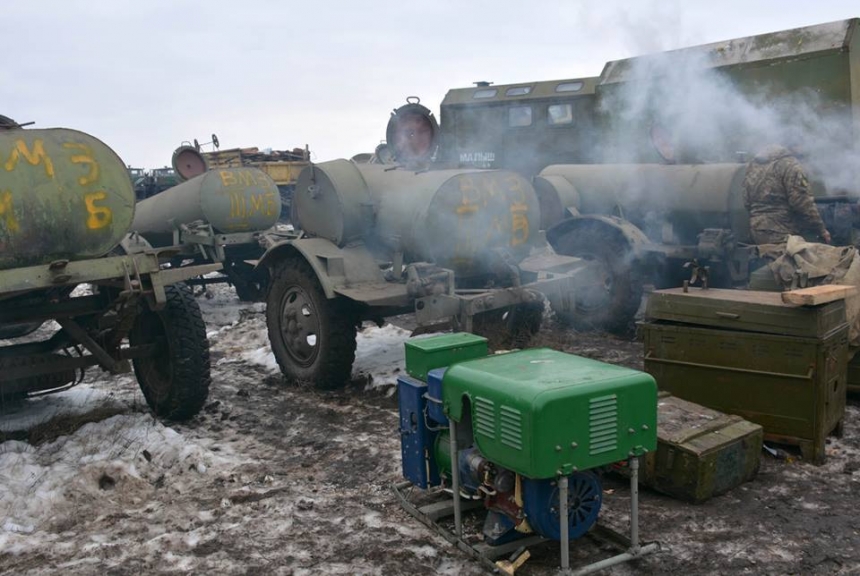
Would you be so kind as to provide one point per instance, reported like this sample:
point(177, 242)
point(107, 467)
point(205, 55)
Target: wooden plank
point(817, 295)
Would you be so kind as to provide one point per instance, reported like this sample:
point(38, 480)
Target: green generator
point(524, 434)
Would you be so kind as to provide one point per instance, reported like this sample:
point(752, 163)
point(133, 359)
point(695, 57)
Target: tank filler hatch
point(188, 162)
point(412, 133)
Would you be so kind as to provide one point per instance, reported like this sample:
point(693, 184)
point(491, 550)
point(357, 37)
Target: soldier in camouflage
point(778, 198)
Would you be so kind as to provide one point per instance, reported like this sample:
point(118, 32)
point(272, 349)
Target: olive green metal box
point(544, 413)
point(794, 385)
point(425, 354)
point(700, 452)
point(747, 310)
point(854, 374)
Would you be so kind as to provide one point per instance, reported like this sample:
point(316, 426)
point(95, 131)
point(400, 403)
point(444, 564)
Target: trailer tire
point(175, 379)
point(312, 337)
point(611, 302)
point(511, 327)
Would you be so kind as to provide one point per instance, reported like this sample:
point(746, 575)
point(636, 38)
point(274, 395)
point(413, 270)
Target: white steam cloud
point(716, 113)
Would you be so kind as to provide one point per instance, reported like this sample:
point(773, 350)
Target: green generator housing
point(544, 413)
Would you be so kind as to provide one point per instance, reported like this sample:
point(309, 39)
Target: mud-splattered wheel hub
point(300, 326)
point(597, 293)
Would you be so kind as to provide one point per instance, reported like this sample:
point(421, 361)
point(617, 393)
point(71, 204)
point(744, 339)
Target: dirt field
point(273, 479)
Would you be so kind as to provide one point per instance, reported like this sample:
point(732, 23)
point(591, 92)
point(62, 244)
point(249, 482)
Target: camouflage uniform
point(777, 196)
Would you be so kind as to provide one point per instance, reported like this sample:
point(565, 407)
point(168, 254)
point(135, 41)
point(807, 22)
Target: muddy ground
point(298, 482)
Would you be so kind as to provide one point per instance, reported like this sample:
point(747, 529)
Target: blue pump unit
point(416, 438)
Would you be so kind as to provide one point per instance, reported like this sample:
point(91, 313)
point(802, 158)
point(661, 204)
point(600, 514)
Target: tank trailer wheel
point(175, 379)
point(611, 301)
point(511, 327)
point(312, 337)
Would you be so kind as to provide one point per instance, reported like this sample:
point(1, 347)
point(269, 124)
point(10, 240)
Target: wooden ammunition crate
point(746, 310)
point(854, 374)
point(793, 387)
point(700, 452)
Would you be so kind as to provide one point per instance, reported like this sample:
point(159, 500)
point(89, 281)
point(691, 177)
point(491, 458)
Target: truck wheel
point(312, 337)
point(175, 377)
point(609, 302)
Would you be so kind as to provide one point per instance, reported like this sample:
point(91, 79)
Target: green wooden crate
point(700, 453)
point(425, 354)
point(746, 310)
point(793, 387)
point(854, 374)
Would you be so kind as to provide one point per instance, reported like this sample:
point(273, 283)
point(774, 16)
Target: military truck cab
point(523, 127)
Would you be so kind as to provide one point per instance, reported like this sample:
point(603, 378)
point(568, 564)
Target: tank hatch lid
point(761, 48)
point(542, 413)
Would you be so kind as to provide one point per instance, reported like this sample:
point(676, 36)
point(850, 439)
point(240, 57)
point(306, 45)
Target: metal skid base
point(430, 514)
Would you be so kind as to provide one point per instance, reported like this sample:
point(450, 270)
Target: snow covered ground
point(276, 479)
point(129, 494)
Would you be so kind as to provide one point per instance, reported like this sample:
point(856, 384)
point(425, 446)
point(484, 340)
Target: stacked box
point(747, 353)
point(854, 375)
point(700, 452)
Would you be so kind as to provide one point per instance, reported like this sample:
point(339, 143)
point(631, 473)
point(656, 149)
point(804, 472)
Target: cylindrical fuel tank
point(454, 218)
point(63, 195)
point(230, 199)
point(670, 203)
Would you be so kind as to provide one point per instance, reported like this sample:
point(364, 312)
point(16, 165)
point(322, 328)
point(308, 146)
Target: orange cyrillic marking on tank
point(257, 203)
point(86, 157)
point(270, 203)
point(515, 185)
point(262, 180)
point(99, 216)
point(227, 178)
point(34, 157)
point(246, 178)
point(519, 224)
point(6, 211)
point(238, 206)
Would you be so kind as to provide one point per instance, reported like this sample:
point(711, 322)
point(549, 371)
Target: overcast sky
point(145, 75)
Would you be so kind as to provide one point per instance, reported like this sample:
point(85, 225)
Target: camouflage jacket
point(778, 198)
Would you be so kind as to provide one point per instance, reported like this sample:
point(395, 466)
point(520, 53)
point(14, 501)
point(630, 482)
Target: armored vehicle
point(639, 169)
point(76, 290)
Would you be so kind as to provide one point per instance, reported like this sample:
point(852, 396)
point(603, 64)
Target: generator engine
point(528, 427)
point(524, 433)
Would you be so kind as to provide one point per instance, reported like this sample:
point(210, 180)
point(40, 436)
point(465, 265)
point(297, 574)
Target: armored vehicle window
point(559, 114)
point(520, 116)
point(518, 91)
point(486, 93)
point(569, 87)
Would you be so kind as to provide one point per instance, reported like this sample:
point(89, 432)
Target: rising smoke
point(716, 112)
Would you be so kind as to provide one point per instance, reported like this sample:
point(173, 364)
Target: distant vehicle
point(150, 183)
